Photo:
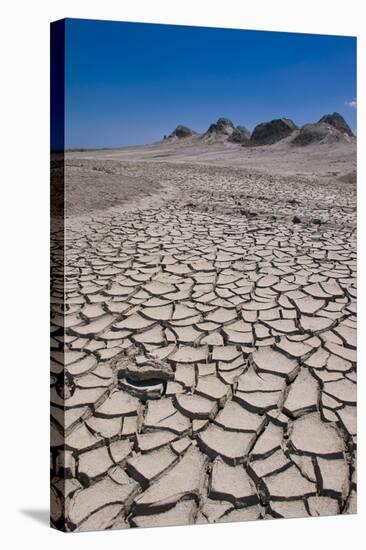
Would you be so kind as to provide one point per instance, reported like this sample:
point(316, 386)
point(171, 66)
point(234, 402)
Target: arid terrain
point(208, 336)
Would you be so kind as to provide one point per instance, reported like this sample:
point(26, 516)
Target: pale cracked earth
point(209, 346)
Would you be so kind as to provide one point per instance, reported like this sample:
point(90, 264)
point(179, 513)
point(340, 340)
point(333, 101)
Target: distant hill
point(222, 126)
point(181, 132)
point(331, 128)
point(239, 135)
point(218, 131)
point(337, 121)
point(268, 133)
point(319, 133)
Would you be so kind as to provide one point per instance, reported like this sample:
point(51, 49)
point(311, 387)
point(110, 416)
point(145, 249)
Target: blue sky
point(131, 83)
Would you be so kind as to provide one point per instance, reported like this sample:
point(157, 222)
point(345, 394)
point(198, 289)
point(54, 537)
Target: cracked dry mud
point(204, 362)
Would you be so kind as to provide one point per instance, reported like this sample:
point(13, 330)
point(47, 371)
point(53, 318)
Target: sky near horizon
point(133, 83)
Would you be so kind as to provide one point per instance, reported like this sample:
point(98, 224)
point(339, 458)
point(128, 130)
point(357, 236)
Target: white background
point(24, 218)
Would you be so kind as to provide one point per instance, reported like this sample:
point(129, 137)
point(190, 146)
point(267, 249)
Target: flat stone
point(106, 427)
point(133, 322)
point(183, 513)
point(195, 406)
point(94, 327)
point(316, 291)
point(162, 414)
point(332, 287)
point(349, 334)
point(231, 483)
point(91, 380)
point(118, 403)
point(102, 493)
point(186, 335)
point(231, 446)
point(81, 397)
point(158, 289)
point(95, 463)
point(267, 281)
point(309, 305)
point(67, 357)
point(342, 390)
point(335, 475)
point(318, 360)
point(329, 402)
point(305, 465)
point(213, 339)
point(182, 311)
point(348, 418)
point(270, 465)
point(103, 519)
point(146, 467)
point(81, 439)
point(231, 365)
point(188, 354)
point(315, 325)
point(212, 510)
point(311, 436)
point(267, 359)
point(234, 417)
point(118, 290)
point(92, 311)
point(294, 350)
point(336, 363)
point(162, 313)
point(119, 450)
point(154, 440)
point(345, 353)
point(212, 388)
point(250, 381)
point(254, 305)
point(185, 479)
point(107, 354)
point(286, 326)
point(323, 506)
point(129, 425)
point(258, 401)
point(153, 335)
point(249, 513)
point(303, 395)
point(225, 353)
point(180, 446)
point(241, 338)
point(222, 315)
point(289, 509)
point(268, 442)
point(288, 484)
point(185, 374)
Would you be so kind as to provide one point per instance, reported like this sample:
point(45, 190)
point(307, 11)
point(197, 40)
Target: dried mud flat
point(209, 342)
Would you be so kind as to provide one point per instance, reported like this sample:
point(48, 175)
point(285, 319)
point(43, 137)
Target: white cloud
point(352, 104)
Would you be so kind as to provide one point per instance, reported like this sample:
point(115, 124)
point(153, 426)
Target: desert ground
point(208, 335)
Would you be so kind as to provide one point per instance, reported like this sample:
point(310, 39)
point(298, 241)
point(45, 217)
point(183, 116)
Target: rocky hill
point(239, 135)
point(181, 132)
point(337, 121)
point(331, 128)
point(268, 133)
point(318, 133)
point(222, 126)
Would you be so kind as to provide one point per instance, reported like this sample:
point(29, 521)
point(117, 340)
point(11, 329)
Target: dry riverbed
point(209, 340)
